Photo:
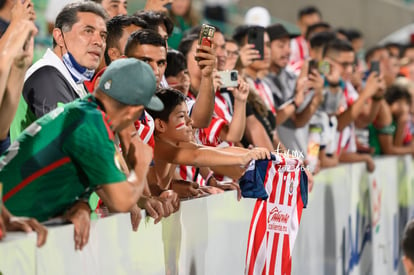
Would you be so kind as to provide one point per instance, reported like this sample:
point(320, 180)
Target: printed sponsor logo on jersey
point(278, 220)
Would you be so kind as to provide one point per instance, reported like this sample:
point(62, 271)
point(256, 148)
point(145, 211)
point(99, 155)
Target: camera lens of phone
point(233, 76)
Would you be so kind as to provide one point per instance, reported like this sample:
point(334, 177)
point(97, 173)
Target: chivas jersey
point(275, 221)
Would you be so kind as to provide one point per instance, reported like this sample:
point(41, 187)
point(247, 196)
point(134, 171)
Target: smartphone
point(312, 65)
point(255, 36)
point(229, 78)
point(206, 36)
point(375, 67)
point(324, 67)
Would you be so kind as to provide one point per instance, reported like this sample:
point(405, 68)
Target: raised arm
point(359, 106)
point(211, 156)
point(238, 123)
point(204, 105)
point(16, 54)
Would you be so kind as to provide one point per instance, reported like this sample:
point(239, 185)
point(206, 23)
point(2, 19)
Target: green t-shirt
point(58, 159)
point(373, 136)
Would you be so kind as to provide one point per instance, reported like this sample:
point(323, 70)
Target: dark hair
point(197, 29)
point(143, 37)
point(230, 40)
point(2, 3)
point(337, 46)
point(186, 44)
point(97, 1)
point(407, 242)
point(155, 18)
point(397, 92)
point(353, 34)
point(390, 45)
point(68, 16)
point(171, 99)
point(308, 10)
point(115, 28)
point(176, 63)
point(321, 39)
point(371, 51)
point(405, 48)
point(310, 31)
point(240, 33)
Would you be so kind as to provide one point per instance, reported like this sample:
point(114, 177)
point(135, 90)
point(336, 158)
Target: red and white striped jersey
point(346, 139)
point(145, 129)
point(223, 107)
point(299, 51)
point(188, 173)
point(275, 221)
point(209, 136)
point(222, 116)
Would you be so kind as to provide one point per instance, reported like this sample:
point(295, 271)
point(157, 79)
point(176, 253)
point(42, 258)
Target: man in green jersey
point(70, 152)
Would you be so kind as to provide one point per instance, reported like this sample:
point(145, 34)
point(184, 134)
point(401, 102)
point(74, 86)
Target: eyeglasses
point(232, 53)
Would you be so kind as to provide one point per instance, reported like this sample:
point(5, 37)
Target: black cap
point(278, 31)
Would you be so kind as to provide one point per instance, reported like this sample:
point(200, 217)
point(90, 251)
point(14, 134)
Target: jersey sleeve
point(92, 149)
point(210, 136)
point(44, 89)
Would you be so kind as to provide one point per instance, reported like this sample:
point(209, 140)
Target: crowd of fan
point(74, 122)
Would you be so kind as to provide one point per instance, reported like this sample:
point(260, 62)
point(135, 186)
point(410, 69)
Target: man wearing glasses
point(297, 97)
point(357, 109)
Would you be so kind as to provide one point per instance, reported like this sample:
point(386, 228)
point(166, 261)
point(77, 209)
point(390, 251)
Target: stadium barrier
point(352, 225)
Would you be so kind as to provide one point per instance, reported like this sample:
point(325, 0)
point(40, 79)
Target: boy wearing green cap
point(70, 152)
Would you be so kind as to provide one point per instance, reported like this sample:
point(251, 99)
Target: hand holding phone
point(255, 36)
point(312, 65)
point(375, 67)
point(229, 78)
point(206, 36)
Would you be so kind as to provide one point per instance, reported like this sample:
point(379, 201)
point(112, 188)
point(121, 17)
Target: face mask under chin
point(78, 72)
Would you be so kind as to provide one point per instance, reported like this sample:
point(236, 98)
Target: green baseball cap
point(131, 82)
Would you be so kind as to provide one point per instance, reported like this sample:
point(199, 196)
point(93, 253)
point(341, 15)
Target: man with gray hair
point(79, 40)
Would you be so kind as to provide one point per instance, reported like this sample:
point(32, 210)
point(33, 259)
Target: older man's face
point(86, 41)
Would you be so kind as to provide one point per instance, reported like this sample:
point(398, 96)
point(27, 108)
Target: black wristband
point(334, 84)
